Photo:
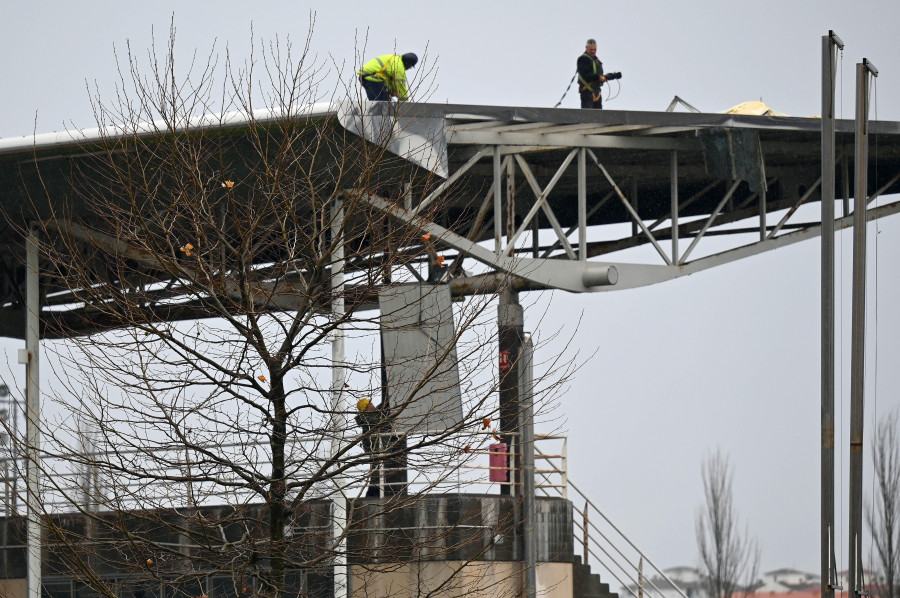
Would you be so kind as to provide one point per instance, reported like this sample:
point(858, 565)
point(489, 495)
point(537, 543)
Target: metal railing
point(602, 543)
point(177, 477)
point(619, 552)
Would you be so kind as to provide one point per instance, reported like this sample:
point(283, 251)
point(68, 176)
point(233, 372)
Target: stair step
point(586, 584)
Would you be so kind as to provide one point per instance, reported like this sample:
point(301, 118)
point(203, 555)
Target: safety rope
point(612, 97)
point(567, 90)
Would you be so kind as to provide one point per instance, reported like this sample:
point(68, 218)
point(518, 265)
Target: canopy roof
point(722, 169)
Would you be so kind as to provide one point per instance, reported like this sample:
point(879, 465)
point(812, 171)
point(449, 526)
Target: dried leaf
point(486, 423)
point(261, 378)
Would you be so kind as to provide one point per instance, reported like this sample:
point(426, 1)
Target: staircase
point(586, 584)
point(597, 538)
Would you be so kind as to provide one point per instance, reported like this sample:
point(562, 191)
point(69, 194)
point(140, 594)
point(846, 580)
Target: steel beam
point(451, 179)
point(796, 207)
point(582, 205)
point(710, 220)
point(858, 360)
point(829, 71)
point(498, 202)
point(534, 138)
point(510, 203)
point(634, 202)
point(634, 215)
point(673, 210)
point(594, 209)
point(568, 275)
point(541, 202)
point(530, 524)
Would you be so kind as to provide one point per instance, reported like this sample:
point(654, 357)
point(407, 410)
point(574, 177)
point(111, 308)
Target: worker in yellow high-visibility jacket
point(384, 77)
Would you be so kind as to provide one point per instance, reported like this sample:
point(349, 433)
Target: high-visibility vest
point(584, 84)
point(389, 69)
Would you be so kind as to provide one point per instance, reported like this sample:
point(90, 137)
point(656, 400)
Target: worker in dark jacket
point(384, 77)
point(590, 76)
point(370, 421)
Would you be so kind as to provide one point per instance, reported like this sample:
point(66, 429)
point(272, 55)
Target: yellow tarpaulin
point(756, 108)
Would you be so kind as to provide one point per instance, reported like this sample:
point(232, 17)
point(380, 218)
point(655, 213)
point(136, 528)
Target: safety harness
point(379, 75)
point(587, 86)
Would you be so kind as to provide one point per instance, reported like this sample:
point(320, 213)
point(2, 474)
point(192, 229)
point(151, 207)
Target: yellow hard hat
point(363, 404)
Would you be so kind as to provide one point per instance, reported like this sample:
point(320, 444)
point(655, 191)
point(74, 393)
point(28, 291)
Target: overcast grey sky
point(725, 358)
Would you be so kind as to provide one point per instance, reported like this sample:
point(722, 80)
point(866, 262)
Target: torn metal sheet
point(734, 154)
point(403, 129)
point(419, 344)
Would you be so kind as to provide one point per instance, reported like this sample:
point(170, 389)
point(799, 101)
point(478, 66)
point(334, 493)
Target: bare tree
point(195, 271)
point(729, 558)
point(883, 513)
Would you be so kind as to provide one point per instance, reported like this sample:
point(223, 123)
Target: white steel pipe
point(33, 413)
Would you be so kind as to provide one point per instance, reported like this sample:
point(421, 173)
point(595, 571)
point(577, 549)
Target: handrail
point(646, 559)
point(636, 582)
point(467, 472)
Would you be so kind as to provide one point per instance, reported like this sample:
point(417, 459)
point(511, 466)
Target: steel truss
point(558, 193)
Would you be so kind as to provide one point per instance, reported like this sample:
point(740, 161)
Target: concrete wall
point(468, 527)
point(13, 588)
point(446, 579)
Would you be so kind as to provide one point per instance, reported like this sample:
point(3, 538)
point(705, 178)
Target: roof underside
point(757, 162)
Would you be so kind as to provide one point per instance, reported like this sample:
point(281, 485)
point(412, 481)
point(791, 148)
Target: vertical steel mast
point(857, 372)
point(830, 45)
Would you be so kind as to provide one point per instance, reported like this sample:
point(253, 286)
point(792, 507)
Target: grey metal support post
point(674, 206)
point(582, 204)
point(634, 203)
point(762, 210)
point(511, 321)
point(586, 536)
point(830, 43)
point(845, 185)
point(33, 411)
point(857, 368)
point(526, 382)
point(498, 202)
point(338, 401)
point(511, 203)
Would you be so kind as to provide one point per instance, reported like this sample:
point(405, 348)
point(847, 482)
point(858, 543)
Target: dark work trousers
point(375, 90)
point(395, 467)
point(588, 101)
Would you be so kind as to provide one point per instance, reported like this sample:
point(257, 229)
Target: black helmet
point(409, 60)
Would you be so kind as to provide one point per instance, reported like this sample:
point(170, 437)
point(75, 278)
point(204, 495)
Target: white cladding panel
point(420, 353)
